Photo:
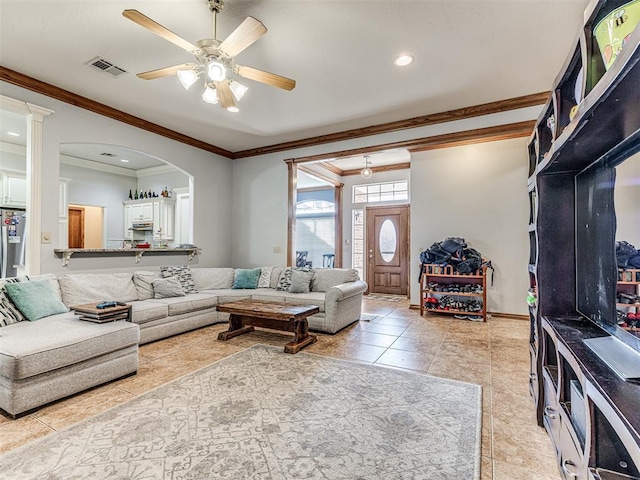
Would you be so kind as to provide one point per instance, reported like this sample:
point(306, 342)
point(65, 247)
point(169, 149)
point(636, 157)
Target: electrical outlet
point(277, 249)
point(46, 237)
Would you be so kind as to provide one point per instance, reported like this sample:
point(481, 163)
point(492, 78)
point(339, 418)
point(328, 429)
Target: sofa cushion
point(189, 303)
point(80, 288)
point(35, 300)
point(148, 311)
point(167, 288)
point(269, 295)
point(325, 278)
point(312, 298)
point(284, 282)
point(182, 273)
point(143, 282)
point(246, 278)
point(32, 348)
point(300, 281)
point(275, 276)
point(212, 278)
point(265, 277)
point(227, 295)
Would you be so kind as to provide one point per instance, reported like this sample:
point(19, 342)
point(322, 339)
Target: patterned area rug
point(264, 414)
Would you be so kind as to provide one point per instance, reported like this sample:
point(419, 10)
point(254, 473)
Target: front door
point(388, 249)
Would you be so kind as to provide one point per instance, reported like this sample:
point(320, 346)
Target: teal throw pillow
point(35, 299)
point(246, 278)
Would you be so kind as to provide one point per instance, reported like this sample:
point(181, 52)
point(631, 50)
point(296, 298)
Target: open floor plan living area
point(320, 240)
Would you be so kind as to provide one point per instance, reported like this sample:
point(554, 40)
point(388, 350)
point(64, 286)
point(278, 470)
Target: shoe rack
point(628, 300)
point(443, 290)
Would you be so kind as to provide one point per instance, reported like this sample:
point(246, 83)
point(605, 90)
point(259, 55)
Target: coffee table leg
point(302, 337)
point(235, 328)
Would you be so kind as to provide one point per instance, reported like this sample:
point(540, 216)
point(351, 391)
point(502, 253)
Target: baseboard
point(414, 306)
point(509, 315)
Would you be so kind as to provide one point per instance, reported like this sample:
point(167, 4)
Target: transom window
point(381, 192)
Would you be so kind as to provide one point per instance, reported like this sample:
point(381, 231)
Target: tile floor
point(493, 354)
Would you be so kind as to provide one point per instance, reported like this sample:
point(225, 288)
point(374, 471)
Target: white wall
point(478, 192)
point(212, 183)
point(100, 189)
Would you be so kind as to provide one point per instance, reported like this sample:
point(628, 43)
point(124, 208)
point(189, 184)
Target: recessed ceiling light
point(403, 60)
point(13, 134)
point(124, 160)
point(233, 109)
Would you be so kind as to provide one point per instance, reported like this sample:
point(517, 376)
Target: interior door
point(76, 227)
point(388, 249)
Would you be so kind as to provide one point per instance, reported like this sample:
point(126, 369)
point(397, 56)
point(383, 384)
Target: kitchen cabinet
point(14, 189)
point(157, 211)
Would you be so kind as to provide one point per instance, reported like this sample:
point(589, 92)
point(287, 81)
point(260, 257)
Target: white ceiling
point(340, 53)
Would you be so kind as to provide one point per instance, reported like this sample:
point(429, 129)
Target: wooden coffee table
point(245, 314)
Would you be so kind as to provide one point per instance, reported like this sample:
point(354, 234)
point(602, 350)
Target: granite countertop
point(121, 250)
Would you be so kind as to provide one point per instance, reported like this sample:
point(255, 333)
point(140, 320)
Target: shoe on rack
point(474, 318)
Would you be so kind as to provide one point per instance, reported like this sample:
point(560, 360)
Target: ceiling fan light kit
point(214, 58)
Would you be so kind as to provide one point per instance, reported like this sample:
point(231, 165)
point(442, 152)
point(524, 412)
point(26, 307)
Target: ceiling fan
point(214, 59)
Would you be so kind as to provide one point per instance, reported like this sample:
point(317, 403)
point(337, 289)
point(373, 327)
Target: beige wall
point(478, 192)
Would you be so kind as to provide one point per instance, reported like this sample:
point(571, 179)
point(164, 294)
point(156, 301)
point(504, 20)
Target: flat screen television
point(607, 210)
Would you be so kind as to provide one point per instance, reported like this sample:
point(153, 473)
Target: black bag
point(626, 255)
point(435, 254)
point(471, 261)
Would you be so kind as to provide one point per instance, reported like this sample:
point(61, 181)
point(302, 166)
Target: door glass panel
point(388, 240)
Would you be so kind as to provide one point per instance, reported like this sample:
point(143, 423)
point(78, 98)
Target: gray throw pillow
point(144, 283)
point(167, 288)
point(300, 281)
point(182, 273)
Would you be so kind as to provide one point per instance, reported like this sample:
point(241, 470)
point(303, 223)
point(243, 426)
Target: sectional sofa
point(58, 355)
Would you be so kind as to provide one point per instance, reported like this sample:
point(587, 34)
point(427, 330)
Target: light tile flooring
point(493, 354)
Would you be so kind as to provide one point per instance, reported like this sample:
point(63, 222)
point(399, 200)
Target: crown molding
point(30, 83)
point(101, 167)
point(423, 121)
point(448, 140)
point(7, 147)
point(159, 170)
point(383, 168)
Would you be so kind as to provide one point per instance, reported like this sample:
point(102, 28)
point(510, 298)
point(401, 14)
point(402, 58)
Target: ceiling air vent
point(107, 154)
point(105, 66)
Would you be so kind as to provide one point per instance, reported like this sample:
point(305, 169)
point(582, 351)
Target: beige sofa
point(57, 356)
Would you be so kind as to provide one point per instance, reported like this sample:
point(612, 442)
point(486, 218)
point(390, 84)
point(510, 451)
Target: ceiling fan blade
point(265, 77)
point(155, 27)
point(164, 72)
point(248, 32)
point(225, 95)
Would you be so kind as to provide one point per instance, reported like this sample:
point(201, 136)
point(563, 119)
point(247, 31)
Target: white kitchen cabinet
point(128, 222)
point(164, 219)
point(142, 212)
point(14, 189)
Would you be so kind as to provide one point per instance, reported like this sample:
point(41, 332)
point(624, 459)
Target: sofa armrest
point(346, 290)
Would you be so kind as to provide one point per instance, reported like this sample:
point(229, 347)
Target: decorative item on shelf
point(366, 172)
point(135, 197)
point(130, 195)
point(531, 297)
point(614, 30)
point(165, 192)
point(551, 123)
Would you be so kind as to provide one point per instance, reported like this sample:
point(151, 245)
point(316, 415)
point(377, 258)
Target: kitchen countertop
point(66, 253)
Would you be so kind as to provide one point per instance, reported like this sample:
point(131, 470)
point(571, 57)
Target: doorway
point(387, 249)
point(76, 227)
point(86, 226)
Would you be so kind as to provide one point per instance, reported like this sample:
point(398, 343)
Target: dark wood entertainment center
point(590, 124)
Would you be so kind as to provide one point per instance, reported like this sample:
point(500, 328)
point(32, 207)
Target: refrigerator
point(12, 241)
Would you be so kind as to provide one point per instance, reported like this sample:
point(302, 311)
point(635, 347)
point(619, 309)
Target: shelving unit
point(629, 284)
point(445, 277)
point(589, 123)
